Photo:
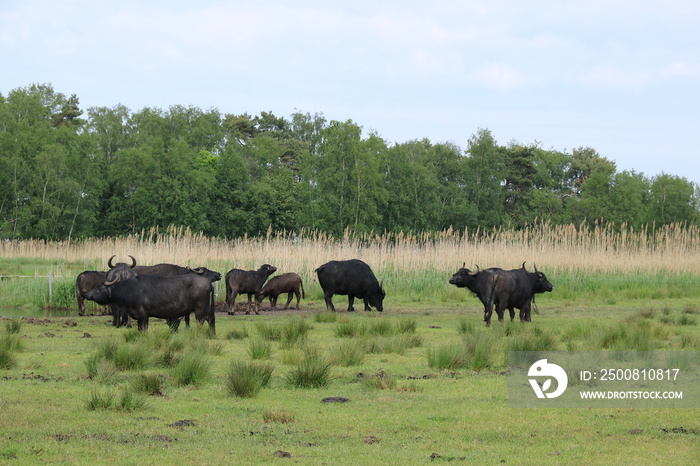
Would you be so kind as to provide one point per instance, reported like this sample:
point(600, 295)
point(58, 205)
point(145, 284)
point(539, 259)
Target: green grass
point(65, 399)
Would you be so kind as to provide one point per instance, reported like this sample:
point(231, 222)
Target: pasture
point(424, 381)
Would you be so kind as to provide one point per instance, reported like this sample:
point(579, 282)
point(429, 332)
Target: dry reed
point(566, 248)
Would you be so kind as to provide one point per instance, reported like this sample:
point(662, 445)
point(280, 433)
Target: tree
point(485, 172)
point(673, 199)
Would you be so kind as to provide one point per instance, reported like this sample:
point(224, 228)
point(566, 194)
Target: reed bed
point(566, 249)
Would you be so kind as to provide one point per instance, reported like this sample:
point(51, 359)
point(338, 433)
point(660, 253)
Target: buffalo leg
point(512, 314)
point(367, 308)
point(351, 301)
point(143, 324)
point(290, 296)
point(298, 298)
point(81, 304)
point(174, 324)
point(232, 303)
point(329, 302)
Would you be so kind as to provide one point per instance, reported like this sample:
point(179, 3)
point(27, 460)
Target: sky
point(621, 77)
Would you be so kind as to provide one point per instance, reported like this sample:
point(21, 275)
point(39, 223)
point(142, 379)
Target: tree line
point(66, 174)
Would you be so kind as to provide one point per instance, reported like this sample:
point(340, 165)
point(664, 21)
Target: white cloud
point(499, 75)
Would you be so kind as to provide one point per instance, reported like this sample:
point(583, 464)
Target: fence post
point(50, 289)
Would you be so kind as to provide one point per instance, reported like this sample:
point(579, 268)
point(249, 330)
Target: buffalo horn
point(381, 285)
point(111, 282)
point(109, 262)
point(198, 270)
point(133, 262)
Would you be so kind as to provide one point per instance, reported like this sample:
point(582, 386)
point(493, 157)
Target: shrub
point(479, 346)
point(11, 342)
point(349, 353)
point(7, 358)
point(269, 331)
point(277, 416)
point(100, 401)
point(379, 381)
point(294, 332)
point(133, 356)
point(13, 326)
point(314, 371)
point(238, 334)
point(245, 379)
point(350, 329)
point(325, 317)
point(465, 327)
point(381, 327)
point(448, 356)
point(130, 401)
point(394, 343)
point(260, 349)
point(686, 319)
point(151, 384)
point(192, 369)
point(406, 326)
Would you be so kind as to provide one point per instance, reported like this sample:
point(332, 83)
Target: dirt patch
point(182, 424)
point(681, 430)
point(335, 399)
point(282, 454)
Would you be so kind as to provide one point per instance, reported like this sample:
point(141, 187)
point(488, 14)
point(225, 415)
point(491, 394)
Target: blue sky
point(622, 77)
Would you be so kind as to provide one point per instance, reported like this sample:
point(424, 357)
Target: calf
point(86, 281)
point(248, 282)
point(285, 283)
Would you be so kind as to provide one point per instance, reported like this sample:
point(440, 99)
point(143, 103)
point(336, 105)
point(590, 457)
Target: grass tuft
point(245, 379)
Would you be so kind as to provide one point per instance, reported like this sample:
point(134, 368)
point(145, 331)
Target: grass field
point(426, 380)
point(64, 400)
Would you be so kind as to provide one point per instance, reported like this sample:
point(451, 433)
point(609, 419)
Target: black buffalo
point(86, 281)
point(503, 289)
point(516, 289)
point(285, 283)
point(248, 282)
point(170, 298)
point(481, 283)
point(124, 271)
point(353, 278)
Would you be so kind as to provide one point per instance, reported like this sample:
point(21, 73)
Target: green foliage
point(314, 371)
point(268, 331)
point(119, 172)
point(151, 384)
point(193, 368)
point(260, 348)
point(245, 379)
point(379, 381)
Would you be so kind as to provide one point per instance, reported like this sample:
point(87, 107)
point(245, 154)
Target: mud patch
point(335, 399)
point(282, 454)
point(182, 424)
point(371, 440)
point(681, 430)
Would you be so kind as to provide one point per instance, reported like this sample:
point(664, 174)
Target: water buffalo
point(123, 271)
point(248, 282)
point(516, 289)
point(170, 298)
point(86, 281)
point(481, 283)
point(285, 283)
point(503, 289)
point(353, 278)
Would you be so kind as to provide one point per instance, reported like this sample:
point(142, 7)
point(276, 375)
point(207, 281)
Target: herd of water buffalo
point(171, 292)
